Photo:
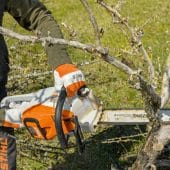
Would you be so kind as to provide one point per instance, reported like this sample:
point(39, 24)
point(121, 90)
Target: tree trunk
point(156, 140)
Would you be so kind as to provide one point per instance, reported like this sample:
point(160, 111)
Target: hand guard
point(69, 76)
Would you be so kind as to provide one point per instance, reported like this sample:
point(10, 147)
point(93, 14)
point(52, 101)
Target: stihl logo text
point(3, 154)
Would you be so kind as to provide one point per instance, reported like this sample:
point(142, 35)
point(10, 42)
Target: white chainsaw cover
point(87, 109)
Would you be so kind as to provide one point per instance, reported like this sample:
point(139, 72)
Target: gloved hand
point(69, 76)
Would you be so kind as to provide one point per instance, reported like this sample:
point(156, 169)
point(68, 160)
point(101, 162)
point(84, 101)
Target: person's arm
point(34, 16)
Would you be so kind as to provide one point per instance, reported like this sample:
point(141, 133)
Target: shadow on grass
point(101, 153)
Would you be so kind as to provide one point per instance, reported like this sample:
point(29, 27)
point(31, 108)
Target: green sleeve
point(34, 16)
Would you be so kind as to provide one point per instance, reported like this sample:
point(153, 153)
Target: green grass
point(108, 83)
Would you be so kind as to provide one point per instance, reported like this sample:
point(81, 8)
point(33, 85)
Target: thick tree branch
point(34, 39)
point(157, 139)
point(86, 47)
point(152, 102)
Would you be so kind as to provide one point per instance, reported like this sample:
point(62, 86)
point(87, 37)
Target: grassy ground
point(107, 82)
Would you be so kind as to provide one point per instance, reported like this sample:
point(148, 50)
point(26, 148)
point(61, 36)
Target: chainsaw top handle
point(63, 139)
point(58, 117)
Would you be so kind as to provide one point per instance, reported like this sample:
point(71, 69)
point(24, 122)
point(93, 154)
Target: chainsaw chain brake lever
point(63, 139)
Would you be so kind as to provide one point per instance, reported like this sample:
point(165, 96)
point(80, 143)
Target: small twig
point(122, 139)
point(69, 29)
point(165, 93)
point(34, 74)
point(93, 21)
point(119, 5)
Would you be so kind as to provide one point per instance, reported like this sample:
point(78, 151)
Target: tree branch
point(165, 93)
point(147, 90)
point(93, 21)
point(157, 139)
point(85, 47)
point(135, 36)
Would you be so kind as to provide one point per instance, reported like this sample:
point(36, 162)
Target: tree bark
point(155, 142)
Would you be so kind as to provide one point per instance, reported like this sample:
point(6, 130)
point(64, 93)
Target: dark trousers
point(7, 139)
point(4, 67)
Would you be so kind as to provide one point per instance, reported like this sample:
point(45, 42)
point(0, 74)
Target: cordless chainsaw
point(46, 115)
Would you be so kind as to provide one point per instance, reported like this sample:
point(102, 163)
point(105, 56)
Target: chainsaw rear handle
point(82, 92)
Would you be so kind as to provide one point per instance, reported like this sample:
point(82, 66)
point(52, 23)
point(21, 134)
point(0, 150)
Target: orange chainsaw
point(46, 119)
point(45, 122)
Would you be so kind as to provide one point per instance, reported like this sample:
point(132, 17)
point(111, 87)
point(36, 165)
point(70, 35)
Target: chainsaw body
point(40, 121)
point(37, 112)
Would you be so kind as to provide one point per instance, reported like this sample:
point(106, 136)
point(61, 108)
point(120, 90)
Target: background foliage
point(107, 82)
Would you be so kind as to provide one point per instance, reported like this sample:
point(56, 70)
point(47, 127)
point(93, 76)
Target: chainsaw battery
point(39, 121)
